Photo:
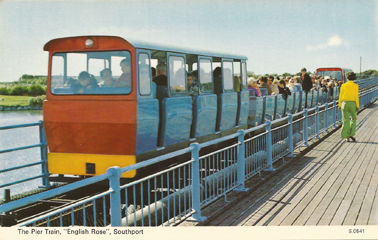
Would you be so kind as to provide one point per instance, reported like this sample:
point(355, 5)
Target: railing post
point(269, 149)
point(290, 137)
point(115, 196)
point(334, 113)
point(241, 163)
point(42, 139)
point(326, 117)
point(196, 196)
point(317, 122)
point(305, 129)
point(7, 219)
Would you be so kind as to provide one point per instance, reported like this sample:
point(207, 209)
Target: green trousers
point(349, 110)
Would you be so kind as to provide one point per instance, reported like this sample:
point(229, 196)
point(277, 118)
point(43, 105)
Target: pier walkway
point(331, 183)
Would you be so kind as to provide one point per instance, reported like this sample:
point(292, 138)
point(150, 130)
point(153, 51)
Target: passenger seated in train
point(161, 75)
point(252, 86)
point(86, 82)
point(292, 86)
point(270, 81)
point(323, 85)
point(192, 85)
point(285, 91)
point(72, 83)
point(330, 88)
point(107, 79)
point(237, 83)
point(125, 79)
point(217, 76)
point(287, 79)
point(264, 84)
point(298, 83)
point(153, 72)
point(195, 75)
point(274, 87)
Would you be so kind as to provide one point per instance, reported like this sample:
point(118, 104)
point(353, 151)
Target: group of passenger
point(289, 84)
point(87, 81)
point(159, 77)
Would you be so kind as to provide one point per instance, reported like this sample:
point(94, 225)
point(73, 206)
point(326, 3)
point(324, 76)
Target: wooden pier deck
point(332, 184)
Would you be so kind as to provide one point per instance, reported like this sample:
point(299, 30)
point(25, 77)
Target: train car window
point(228, 80)
point(244, 75)
point(332, 74)
point(76, 62)
point(94, 78)
point(95, 66)
point(57, 72)
point(205, 76)
point(144, 74)
point(237, 77)
point(177, 74)
point(217, 76)
point(194, 66)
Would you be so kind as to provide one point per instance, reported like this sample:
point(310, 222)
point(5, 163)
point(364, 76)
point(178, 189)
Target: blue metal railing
point(43, 150)
point(202, 179)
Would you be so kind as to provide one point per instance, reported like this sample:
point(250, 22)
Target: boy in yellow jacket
point(349, 104)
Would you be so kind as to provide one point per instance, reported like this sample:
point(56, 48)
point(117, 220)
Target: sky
point(277, 36)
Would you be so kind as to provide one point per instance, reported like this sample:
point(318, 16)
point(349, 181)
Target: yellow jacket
point(349, 92)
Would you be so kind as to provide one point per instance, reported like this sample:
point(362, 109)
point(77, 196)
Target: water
point(13, 138)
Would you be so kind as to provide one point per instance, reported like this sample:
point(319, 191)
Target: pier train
point(90, 129)
point(334, 72)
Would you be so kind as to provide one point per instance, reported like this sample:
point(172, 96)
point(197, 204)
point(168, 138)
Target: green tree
point(36, 90)
point(26, 76)
point(18, 90)
point(287, 74)
point(4, 91)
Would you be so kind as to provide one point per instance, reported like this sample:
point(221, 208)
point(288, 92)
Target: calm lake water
point(13, 138)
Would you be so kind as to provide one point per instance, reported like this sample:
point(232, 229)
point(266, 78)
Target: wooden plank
point(334, 205)
point(371, 193)
point(359, 197)
point(334, 196)
point(291, 213)
point(239, 207)
point(246, 206)
point(288, 215)
point(305, 170)
point(297, 183)
point(262, 191)
point(373, 218)
point(346, 202)
point(310, 169)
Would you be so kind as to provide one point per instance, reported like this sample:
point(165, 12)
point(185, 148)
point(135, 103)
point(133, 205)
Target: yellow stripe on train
point(88, 164)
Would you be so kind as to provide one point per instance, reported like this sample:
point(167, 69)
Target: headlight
point(89, 43)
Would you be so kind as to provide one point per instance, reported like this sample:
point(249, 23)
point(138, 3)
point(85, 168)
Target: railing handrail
point(19, 126)
point(7, 207)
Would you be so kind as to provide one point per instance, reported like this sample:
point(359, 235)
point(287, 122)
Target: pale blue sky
point(277, 36)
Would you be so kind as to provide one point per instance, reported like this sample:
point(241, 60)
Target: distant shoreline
point(18, 108)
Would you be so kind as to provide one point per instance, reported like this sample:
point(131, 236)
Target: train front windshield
point(83, 73)
point(333, 74)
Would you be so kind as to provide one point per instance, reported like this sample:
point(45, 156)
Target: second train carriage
point(334, 72)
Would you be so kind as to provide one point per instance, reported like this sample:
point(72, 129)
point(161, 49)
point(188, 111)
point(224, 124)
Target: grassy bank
point(14, 100)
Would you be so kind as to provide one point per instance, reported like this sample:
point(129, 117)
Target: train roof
point(334, 68)
point(158, 47)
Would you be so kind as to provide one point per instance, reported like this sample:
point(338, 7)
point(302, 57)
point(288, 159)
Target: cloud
point(334, 41)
